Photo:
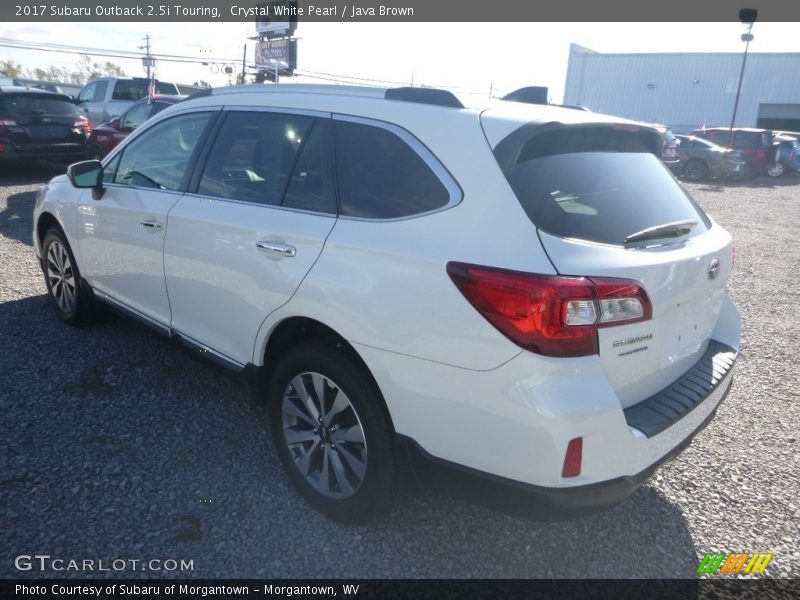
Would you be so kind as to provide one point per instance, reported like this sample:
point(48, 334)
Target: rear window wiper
point(674, 229)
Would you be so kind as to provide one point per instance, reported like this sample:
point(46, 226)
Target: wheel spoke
point(340, 475)
point(318, 382)
point(325, 474)
point(304, 461)
point(298, 436)
point(358, 466)
point(306, 394)
point(340, 404)
point(353, 433)
point(291, 407)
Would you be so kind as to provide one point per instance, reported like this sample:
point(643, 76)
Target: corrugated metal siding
point(681, 90)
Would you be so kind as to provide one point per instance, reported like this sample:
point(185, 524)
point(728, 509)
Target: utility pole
point(748, 17)
point(244, 58)
point(147, 60)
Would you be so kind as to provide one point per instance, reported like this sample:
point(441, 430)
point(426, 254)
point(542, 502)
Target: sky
point(467, 57)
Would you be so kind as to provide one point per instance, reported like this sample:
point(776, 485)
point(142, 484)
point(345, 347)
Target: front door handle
point(152, 225)
point(279, 249)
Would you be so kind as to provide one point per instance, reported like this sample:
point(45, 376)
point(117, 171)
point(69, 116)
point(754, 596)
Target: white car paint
point(455, 385)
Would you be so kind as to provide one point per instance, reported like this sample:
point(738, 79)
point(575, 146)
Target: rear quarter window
point(380, 176)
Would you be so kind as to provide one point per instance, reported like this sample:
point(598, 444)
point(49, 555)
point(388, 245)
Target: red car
point(753, 145)
point(105, 137)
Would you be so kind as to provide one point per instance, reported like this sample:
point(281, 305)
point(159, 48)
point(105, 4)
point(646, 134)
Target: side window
point(311, 185)
point(136, 116)
point(254, 156)
point(100, 91)
point(130, 89)
point(158, 107)
point(723, 138)
point(160, 156)
point(381, 177)
point(87, 93)
point(110, 169)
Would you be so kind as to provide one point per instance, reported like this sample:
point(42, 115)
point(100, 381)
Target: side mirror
point(115, 123)
point(87, 174)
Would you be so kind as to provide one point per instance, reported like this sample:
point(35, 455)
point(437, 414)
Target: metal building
point(686, 90)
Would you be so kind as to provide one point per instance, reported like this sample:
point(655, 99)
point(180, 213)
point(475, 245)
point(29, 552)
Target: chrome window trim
point(428, 157)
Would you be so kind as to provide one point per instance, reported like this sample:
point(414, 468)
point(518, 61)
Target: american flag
point(151, 90)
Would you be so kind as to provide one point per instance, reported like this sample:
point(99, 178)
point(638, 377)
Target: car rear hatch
point(33, 122)
point(605, 207)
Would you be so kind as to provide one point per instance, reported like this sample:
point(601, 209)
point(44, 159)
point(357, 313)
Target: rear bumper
point(532, 501)
point(55, 152)
point(512, 425)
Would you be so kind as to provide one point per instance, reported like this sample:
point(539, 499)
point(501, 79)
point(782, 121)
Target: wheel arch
point(45, 222)
point(294, 330)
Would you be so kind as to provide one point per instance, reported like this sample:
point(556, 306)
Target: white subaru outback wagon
point(521, 293)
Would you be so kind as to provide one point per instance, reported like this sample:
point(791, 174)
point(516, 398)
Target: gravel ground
point(117, 445)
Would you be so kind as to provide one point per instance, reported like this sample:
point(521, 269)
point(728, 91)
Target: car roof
point(6, 89)
point(746, 129)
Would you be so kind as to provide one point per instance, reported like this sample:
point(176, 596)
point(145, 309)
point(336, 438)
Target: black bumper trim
point(660, 411)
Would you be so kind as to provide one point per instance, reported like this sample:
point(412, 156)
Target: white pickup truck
point(107, 97)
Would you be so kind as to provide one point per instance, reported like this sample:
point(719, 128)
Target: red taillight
point(551, 315)
point(83, 123)
point(573, 458)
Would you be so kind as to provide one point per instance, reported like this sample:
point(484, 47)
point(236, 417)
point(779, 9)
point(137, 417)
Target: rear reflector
point(573, 458)
point(552, 315)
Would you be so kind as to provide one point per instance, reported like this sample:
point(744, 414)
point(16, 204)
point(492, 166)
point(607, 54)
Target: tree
point(10, 69)
point(202, 83)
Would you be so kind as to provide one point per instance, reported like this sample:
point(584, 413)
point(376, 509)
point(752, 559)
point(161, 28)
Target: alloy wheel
point(61, 277)
point(324, 435)
point(776, 170)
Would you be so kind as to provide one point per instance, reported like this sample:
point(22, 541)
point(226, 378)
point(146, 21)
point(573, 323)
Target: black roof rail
point(424, 96)
point(529, 95)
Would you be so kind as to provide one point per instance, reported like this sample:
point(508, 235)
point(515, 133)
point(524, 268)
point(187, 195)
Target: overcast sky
point(468, 56)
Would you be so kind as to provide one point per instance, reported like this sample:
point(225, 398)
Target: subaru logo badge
point(713, 269)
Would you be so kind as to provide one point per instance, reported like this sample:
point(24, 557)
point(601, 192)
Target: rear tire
point(71, 297)
point(332, 432)
point(776, 170)
point(695, 170)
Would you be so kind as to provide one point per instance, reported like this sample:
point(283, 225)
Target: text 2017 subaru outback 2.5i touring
point(521, 292)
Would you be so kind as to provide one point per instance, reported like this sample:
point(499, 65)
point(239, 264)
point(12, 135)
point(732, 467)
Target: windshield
point(601, 196)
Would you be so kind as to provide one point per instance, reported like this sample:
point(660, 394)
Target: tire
point(776, 170)
point(695, 170)
point(72, 299)
point(341, 459)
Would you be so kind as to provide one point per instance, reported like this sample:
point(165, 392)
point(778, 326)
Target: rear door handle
point(279, 249)
point(152, 225)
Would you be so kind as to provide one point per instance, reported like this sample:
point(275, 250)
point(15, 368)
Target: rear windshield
point(136, 89)
point(603, 191)
point(36, 104)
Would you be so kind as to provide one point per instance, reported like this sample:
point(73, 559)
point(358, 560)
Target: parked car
point(482, 288)
point(108, 97)
point(105, 137)
point(699, 159)
point(788, 156)
point(754, 145)
point(37, 124)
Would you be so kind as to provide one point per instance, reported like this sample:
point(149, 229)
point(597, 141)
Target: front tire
point(332, 432)
point(71, 297)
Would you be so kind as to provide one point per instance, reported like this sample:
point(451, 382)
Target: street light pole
point(748, 16)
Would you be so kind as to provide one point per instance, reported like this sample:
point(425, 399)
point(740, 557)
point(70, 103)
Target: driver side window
point(136, 116)
point(160, 157)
